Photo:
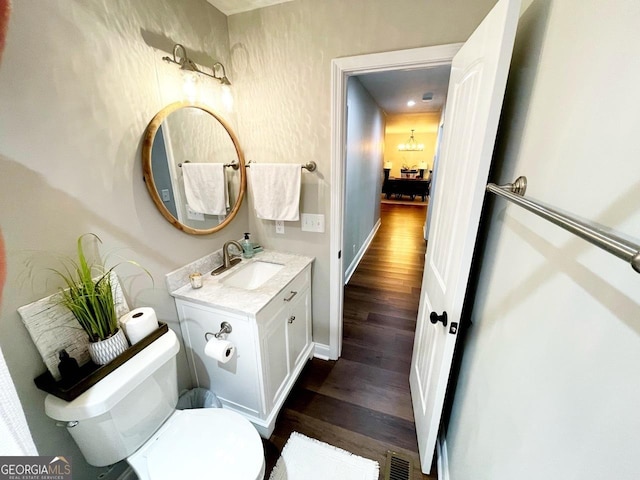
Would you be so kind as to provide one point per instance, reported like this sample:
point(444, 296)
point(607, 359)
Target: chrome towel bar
point(234, 165)
point(311, 166)
point(591, 232)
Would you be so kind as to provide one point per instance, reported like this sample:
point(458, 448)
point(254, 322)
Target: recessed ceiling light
point(410, 103)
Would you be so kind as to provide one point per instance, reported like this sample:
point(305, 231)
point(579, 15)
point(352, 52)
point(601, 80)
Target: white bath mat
point(305, 458)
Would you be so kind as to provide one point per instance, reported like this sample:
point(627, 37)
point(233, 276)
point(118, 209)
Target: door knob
point(435, 318)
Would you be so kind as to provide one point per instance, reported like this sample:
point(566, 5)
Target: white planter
point(103, 351)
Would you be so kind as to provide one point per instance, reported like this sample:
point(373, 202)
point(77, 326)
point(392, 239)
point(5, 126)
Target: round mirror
point(194, 168)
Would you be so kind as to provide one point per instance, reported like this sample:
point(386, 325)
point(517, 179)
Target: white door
point(476, 89)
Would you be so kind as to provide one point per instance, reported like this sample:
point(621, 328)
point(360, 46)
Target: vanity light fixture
point(411, 145)
point(180, 58)
point(223, 79)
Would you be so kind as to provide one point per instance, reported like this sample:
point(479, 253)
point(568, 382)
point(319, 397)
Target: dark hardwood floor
point(361, 402)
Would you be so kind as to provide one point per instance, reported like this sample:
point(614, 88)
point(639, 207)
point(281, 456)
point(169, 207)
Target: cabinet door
point(299, 327)
point(276, 360)
point(236, 382)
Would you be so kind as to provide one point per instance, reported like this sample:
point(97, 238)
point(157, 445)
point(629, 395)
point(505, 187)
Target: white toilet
point(131, 414)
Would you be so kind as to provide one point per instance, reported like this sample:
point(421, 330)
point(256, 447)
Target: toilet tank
point(120, 412)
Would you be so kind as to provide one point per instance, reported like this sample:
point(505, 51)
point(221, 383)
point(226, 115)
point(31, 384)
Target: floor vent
point(398, 467)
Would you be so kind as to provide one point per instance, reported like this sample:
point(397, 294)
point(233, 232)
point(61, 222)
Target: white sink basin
point(253, 275)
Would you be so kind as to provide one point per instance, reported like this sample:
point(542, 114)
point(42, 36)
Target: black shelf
point(90, 373)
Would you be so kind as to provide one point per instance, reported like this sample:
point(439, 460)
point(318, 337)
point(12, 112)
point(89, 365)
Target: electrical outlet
point(165, 195)
point(279, 226)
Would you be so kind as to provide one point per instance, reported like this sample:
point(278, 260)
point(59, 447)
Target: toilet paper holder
point(225, 327)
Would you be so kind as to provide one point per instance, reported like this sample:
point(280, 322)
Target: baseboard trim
point(443, 459)
point(365, 246)
point(321, 351)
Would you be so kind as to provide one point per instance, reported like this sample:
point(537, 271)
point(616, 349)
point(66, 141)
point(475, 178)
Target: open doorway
point(342, 69)
point(392, 130)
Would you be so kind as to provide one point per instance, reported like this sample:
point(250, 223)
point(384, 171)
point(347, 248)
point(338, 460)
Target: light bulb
point(190, 86)
point(227, 98)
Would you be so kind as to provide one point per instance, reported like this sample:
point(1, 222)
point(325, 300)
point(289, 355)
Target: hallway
point(361, 402)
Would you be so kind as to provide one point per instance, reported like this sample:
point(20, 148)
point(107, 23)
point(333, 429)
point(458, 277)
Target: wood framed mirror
point(183, 133)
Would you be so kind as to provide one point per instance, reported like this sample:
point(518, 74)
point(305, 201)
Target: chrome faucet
point(227, 260)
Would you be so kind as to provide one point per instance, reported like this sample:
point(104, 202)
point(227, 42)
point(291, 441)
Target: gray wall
point(161, 173)
point(282, 63)
point(80, 81)
point(365, 145)
point(550, 386)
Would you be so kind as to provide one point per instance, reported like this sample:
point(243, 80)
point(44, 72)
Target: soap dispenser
point(247, 247)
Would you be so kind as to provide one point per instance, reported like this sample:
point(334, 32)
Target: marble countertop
point(214, 293)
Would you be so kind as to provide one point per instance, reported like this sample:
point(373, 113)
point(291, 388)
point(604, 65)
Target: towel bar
point(234, 165)
point(310, 166)
point(591, 232)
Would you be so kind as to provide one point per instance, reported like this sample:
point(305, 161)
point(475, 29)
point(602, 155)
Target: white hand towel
point(205, 186)
point(15, 437)
point(276, 190)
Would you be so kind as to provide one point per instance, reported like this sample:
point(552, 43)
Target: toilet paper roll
point(220, 350)
point(139, 323)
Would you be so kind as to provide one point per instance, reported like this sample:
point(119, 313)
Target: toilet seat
point(202, 443)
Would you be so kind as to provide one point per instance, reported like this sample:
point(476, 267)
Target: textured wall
point(281, 63)
point(549, 386)
point(80, 81)
point(365, 138)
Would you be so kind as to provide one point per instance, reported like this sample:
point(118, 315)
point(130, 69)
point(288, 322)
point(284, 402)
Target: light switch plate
point(193, 215)
point(312, 222)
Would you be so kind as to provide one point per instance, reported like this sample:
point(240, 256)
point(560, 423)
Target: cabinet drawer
point(288, 294)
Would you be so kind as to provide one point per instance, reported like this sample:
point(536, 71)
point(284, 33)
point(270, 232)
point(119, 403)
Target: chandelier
point(411, 145)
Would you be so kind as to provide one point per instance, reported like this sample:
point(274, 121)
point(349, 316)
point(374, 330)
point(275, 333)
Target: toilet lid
point(206, 443)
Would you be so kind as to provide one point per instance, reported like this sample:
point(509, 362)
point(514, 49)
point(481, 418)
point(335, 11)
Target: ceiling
point(229, 7)
point(392, 90)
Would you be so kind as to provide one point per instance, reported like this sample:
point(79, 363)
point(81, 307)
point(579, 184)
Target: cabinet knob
point(292, 318)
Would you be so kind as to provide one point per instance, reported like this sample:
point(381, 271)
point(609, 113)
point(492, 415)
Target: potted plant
point(89, 296)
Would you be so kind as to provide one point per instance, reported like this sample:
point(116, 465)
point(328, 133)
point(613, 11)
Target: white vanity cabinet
point(272, 346)
point(284, 330)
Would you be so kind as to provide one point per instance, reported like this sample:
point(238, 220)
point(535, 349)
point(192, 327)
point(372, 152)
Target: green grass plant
point(88, 293)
